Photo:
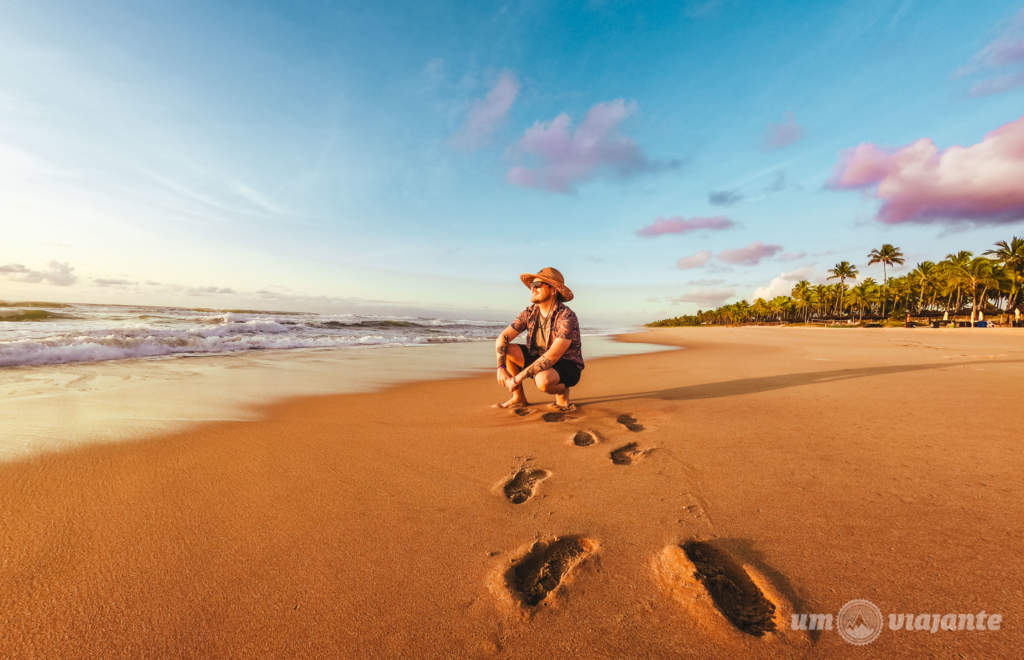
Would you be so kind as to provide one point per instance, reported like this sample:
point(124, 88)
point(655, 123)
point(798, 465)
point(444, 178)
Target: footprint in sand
point(711, 584)
point(626, 454)
point(731, 589)
point(557, 416)
point(695, 512)
point(630, 423)
point(523, 484)
point(584, 438)
point(522, 412)
point(532, 577)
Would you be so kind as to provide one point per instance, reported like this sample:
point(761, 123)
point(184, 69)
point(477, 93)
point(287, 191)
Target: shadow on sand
point(746, 551)
point(765, 383)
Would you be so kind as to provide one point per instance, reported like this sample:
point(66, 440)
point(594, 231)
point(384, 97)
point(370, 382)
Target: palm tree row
point(992, 283)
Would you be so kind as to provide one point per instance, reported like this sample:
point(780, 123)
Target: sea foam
point(91, 333)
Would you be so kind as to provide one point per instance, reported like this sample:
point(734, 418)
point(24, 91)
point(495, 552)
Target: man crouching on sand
point(553, 354)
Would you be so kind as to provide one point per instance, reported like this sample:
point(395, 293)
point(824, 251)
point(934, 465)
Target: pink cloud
point(487, 113)
point(750, 255)
point(694, 260)
point(792, 256)
point(922, 183)
point(706, 297)
point(997, 85)
point(1006, 50)
point(567, 157)
point(680, 225)
point(782, 135)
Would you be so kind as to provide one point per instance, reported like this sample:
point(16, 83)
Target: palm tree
point(926, 276)
point(821, 297)
point(978, 272)
point(887, 255)
point(995, 284)
point(779, 305)
point(953, 268)
point(857, 300)
point(802, 298)
point(842, 271)
point(901, 292)
point(1012, 257)
point(862, 296)
point(760, 309)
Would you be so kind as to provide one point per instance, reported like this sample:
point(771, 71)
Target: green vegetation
point(676, 322)
point(959, 285)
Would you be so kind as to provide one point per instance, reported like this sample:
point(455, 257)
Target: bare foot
point(514, 402)
point(562, 400)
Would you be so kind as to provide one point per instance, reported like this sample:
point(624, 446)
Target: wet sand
point(53, 408)
point(817, 465)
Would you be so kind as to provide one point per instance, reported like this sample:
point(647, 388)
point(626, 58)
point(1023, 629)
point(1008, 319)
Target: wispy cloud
point(980, 183)
point(724, 197)
point(567, 157)
point(694, 260)
point(708, 297)
point(791, 256)
point(781, 135)
point(681, 225)
point(756, 187)
point(208, 290)
point(433, 72)
point(701, 8)
point(58, 273)
point(486, 114)
point(750, 255)
point(997, 85)
point(260, 200)
point(1004, 56)
point(113, 282)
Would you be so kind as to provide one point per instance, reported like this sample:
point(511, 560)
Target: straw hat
point(552, 277)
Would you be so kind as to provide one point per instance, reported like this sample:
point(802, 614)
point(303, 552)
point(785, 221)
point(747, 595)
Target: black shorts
point(568, 372)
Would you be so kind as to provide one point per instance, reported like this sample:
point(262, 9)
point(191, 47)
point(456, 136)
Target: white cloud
point(59, 273)
point(782, 283)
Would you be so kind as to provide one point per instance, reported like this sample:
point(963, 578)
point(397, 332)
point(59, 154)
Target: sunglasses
point(537, 285)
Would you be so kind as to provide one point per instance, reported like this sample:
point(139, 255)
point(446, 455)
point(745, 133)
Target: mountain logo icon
point(859, 622)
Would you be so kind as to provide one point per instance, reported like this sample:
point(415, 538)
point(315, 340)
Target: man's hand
point(503, 376)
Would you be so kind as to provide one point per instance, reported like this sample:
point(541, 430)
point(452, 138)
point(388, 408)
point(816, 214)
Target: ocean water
point(106, 373)
point(94, 333)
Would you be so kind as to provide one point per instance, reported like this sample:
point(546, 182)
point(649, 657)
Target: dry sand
point(823, 465)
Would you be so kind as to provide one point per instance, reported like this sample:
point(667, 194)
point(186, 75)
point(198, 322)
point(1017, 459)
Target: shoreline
point(53, 407)
point(380, 521)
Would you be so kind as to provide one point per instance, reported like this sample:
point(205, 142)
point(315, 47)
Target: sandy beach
point(825, 465)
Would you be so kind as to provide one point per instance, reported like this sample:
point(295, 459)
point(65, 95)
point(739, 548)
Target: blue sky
point(419, 156)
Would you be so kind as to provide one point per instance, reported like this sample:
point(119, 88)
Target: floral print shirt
point(563, 325)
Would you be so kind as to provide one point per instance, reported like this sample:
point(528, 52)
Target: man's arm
point(501, 344)
point(545, 361)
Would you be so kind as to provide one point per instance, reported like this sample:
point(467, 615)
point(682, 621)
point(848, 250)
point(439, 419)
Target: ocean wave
point(93, 333)
point(381, 324)
point(113, 347)
point(32, 315)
